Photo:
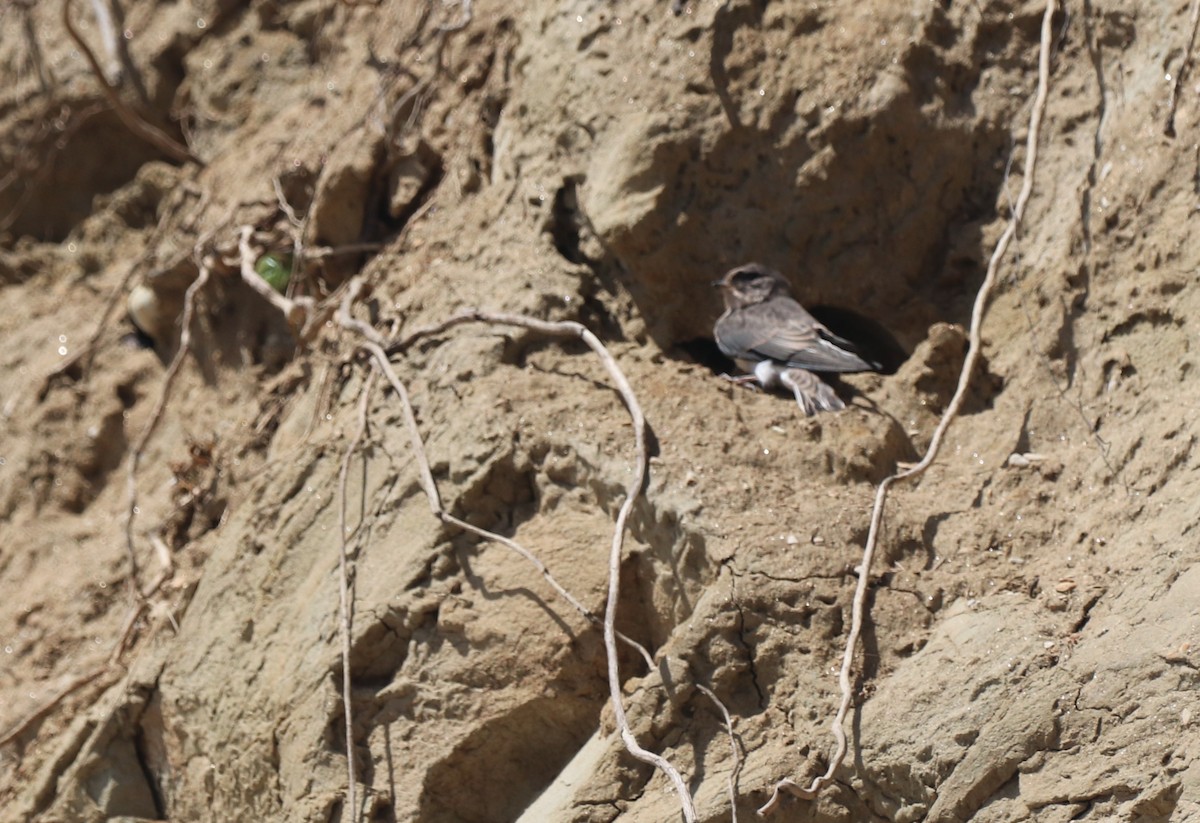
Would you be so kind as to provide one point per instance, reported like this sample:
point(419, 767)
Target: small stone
point(149, 313)
point(1016, 460)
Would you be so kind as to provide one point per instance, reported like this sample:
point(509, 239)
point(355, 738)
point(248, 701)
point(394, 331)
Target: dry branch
point(96, 673)
point(295, 311)
point(132, 120)
point(347, 610)
point(1184, 68)
point(135, 458)
point(73, 685)
point(45, 76)
point(284, 205)
point(733, 744)
point(568, 329)
point(83, 355)
point(346, 318)
point(964, 379)
point(435, 505)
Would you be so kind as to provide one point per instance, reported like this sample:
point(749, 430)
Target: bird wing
point(780, 329)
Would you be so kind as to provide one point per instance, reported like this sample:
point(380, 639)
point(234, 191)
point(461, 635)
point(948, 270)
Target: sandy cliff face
point(1032, 614)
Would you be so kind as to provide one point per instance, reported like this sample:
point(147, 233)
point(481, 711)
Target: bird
point(772, 336)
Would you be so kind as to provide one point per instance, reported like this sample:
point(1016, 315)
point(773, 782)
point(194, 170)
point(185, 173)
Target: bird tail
point(811, 392)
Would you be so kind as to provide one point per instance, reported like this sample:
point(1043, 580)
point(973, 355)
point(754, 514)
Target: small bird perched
point(767, 332)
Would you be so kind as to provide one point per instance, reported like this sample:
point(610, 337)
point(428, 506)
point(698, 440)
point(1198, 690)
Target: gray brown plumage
point(767, 332)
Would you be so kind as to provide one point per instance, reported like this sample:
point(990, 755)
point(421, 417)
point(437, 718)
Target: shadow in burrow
point(880, 238)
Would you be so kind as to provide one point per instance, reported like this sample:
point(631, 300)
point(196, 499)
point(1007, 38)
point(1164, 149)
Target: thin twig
point(294, 311)
point(347, 320)
point(321, 252)
point(284, 205)
point(435, 499)
point(96, 672)
point(297, 232)
point(135, 457)
point(347, 610)
point(964, 379)
point(376, 349)
point(733, 744)
point(85, 353)
point(447, 517)
point(45, 76)
point(74, 684)
point(633, 491)
point(549, 578)
point(1184, 67)
point(166, 568)
point(132, 120)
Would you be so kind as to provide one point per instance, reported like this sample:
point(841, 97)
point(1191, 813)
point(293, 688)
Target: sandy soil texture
point(1031, 650)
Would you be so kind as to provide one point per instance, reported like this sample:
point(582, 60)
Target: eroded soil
point(1029, 649)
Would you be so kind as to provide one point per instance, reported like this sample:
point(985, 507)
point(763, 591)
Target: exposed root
point(347, 595)
point(135, 457)
point(24, 9)
point(733, 744)
point(73, 685)
point(1184, 68)
point(284, 205)
point(296, 312)
point(105, 674)
point(568, 329)
point(83, 356)
point(964, 380)
point(446, 517)
point(132, 120)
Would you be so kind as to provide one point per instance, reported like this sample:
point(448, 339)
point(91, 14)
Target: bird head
point(750, 284)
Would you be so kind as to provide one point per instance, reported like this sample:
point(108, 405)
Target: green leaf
point(276, 269)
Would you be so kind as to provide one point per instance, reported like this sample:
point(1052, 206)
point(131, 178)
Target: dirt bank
point(1029, 650)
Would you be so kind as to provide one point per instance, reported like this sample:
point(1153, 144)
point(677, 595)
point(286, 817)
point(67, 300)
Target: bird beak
point(719, 283)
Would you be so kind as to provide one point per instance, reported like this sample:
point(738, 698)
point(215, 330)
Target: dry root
point(374, 344)
point(981, 299)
